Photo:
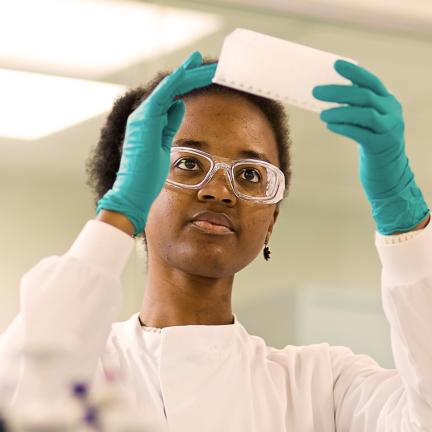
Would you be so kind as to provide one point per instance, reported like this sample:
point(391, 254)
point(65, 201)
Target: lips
point(215, 218)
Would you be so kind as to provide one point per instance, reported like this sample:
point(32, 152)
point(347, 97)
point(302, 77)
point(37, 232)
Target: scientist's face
point(228, 124)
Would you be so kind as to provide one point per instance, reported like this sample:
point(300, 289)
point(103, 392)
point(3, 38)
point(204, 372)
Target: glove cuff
point(400, 213)
point(115, 202)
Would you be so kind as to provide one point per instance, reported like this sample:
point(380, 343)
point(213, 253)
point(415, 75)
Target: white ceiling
point(85, 43)
point(413, 15)
point(412, 8)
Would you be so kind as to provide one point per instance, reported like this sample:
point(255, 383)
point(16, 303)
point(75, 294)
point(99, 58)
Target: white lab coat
point(213, 378)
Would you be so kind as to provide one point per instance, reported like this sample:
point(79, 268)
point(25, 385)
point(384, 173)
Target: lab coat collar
point(134, 320)
point(188, 338)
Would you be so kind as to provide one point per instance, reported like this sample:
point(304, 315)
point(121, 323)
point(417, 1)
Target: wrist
point(402, 213)
point(117, 220)
point(420, 226)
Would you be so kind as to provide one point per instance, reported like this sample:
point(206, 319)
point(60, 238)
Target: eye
point(189, 161)
point(252, 171)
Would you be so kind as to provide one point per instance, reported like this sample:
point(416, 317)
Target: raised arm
point(73, 299)
point(368, 397)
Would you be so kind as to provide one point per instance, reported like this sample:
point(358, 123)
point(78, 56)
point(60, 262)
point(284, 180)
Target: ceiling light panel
point(93, 38)
point(35, 105)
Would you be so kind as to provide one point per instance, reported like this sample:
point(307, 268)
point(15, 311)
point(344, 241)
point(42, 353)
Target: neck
point(175, 298)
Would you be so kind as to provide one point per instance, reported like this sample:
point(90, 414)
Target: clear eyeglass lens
point(251, 179)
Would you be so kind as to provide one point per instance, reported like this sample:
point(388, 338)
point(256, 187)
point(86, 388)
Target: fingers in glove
point(357, 116)
point(352, 95)
point(194, 60)
point(361, 77)
point(359, 134)
point(164, 90)
point(182, 81)
point(175, 117)
point(196, 78)
point(370, 145)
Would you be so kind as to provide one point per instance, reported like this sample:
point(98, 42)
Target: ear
point(275, 216)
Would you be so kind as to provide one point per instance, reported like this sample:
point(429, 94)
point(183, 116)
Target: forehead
point(229, 125)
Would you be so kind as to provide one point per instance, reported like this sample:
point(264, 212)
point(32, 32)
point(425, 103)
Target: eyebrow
point(252, 154)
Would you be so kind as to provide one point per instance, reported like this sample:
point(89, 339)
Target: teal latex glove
point(150, 129)
point(373, 118)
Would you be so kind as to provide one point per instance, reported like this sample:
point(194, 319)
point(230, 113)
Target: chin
point(206, 265)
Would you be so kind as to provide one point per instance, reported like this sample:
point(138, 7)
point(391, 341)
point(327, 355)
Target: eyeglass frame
point(229, 169)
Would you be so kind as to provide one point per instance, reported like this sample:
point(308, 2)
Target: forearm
point(70, 299)
point(407, 303)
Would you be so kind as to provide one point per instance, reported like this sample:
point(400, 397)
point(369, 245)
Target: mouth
point(211, 228)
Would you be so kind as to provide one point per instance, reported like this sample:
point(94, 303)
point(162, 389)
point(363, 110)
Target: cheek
point(166, 214)
point(255, 226)
point(169, 215)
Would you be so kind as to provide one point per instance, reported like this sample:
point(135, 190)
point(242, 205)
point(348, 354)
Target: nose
point(218, 187)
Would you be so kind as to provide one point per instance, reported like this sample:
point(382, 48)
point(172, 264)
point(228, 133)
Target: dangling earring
point(266, 251)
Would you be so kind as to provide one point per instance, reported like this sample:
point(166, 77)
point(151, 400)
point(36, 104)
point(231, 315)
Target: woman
point(190, 365)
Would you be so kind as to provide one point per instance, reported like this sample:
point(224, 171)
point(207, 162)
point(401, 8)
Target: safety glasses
point(250, 179)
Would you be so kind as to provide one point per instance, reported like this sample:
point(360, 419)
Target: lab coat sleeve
point(72, 299)
point(368, 397)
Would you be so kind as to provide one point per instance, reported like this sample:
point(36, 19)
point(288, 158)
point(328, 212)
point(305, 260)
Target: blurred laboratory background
point(63, 63)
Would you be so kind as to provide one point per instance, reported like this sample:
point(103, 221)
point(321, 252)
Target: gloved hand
point(373, 118)
point(150, 129)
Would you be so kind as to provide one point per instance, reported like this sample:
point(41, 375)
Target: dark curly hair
point(104, 160)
